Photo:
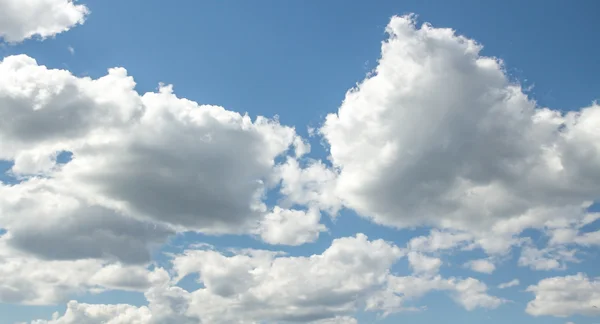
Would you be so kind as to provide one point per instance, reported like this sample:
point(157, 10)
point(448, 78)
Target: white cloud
point(166, 304)
point(470, 293)
point(338, 320)
point(439, 136)
point(438, 241)
point(23, 19)
point(250, 286)
point(291, 227)
point(512, 283)
point(261, 286)
point(257, 286)
point(422, 264)
point(153, 157)
point(550, 258)
point(570, 231)
point(143, 167)
point(29, 280)
point(100, 314)
point(565, 296)
point(312, 185)
point(45, 222)
point(481, 265)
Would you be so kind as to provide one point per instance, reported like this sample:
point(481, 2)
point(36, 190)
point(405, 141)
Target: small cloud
point(71, 50)
point(512, 283)
point(482, 265)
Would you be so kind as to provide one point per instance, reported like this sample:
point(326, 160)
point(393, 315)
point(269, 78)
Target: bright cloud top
point(23, 19)
point(435, 136)
point(268, 287)
point(439, 136)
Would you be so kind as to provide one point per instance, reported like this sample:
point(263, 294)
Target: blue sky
point(297, 60)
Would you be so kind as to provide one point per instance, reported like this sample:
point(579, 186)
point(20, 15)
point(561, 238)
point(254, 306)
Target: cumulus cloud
point(23, 19)
point(262, 286)
point(291, 227)
point(438, 241)
point(437, 135)
point(571, 231)
point(100, 314)
point(469, 293)
point(256, 286)
point(481, 265)
point(30, 280)
point(512, 283)
point(312, 185)
point(143, 167)
point(550, 258)
point(166, 304)
point(154, 157)
point(422, 264)
point(54, 226)
point(565, 296)
point(249, 286)
point(338, 320)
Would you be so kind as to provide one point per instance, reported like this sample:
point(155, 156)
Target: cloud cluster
point(33, 281)
point(23, 19)
point(481, 265)
point(565, 296)
point(435, 136)
point(512, 283)
point(258, 286)
point(154, 157)
point(143, 167)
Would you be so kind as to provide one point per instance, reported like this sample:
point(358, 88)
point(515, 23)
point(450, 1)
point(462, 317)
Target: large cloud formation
point(565, 296)
point(142, 168)
point(155, 157)
point(440, 136)
point(257, 286)
point(23, 19)
point(436, 135)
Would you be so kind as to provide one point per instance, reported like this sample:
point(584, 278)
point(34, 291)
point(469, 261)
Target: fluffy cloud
point(570, 231)
point(100, 314)
point(22, 19)
point(252, 286)
point(439, 241)
point(512, 283)
point(312, 185)
point(291, 227)
point(338, 320)
point(481, 265)
point(422, 264)
point(143, 167)
point(258, 286)
point(154, 157)
point(438, 135)
point(550, 258)
point(166, 304)
point(470, 293)
point(29, 280)
point(565, 296)
point(54, 226)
